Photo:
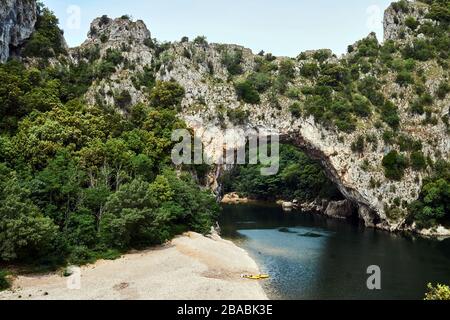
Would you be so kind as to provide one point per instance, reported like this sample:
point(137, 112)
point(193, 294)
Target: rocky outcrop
point(395, 16)
point(17, 21)
point(340, 209)
point(132, 40)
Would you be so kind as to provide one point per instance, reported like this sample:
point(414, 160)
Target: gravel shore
point(189, 267)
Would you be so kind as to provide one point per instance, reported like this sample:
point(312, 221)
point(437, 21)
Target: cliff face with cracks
point(17, 20)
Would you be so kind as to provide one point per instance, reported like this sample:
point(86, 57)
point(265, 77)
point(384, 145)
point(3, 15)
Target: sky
point(282, 27)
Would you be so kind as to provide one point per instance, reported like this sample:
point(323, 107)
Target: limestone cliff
point(17, 20)
point(204, 70)
point(210, 93)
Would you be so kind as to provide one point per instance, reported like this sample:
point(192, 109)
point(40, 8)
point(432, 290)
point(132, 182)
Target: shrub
point(123, 100)
point(443, 89)
point(238, 116)
point(322, 55)
point(104, 20)
point(359, 144)
point(4, 283)
point(412, 23)
point(287, 69)
point(166, 94)
point(420, 50)
point(433, 205)
point(361, 106)
point(309, 70)
point(113, 56)
point(369, 87)
point(440, 292)
point(394, 165)
point(408, 143)
point(201, 41)
point(404, 78)
point(296, 110)
point(389, 114)
point(232, 61)
point(368, 47)
point(81, 255)
point(418, 161)
point(401, 5)
point(293, 93)
point(261, 81)
point(47, 40)
point(246, 92)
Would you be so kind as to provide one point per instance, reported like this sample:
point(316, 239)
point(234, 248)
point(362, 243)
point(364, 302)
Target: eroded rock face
point(340, 209)
point(17, 21)
point(132, 40)
point(395, 16)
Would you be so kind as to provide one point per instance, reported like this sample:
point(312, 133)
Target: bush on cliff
point(47, 39)
point(394, 165)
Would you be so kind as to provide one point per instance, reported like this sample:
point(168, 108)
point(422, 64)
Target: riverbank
point(190, 267)
point(342, 210)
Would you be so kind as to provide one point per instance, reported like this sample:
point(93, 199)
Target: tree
point(361, 106)
point(166, 95)
point(394, 165)
point(128, 217)
point(57, 188)
point(309, 70)
point(433, 204)
point(418, 161)
point(25, 234)
point(246, 92)
point(287, 68)
point(47, 41)
point(261, 81)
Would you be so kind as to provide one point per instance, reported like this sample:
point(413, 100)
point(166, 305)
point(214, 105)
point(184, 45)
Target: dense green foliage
point(47, 41)
point(247, 92)
point(166, 95)
point(299, 178)
point(80, 182)
point(394, 165)
point(433, 205)
point(4, 284)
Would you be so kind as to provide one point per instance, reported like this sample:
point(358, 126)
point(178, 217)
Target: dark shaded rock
point(17, 21)
point(310, 235)
point(340, 209)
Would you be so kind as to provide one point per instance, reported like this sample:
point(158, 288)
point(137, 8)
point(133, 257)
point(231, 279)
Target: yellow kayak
point(256, 277)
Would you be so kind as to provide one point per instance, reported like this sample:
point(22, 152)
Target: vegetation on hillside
point(82, 182)
point(299, 178)
point(433, 205)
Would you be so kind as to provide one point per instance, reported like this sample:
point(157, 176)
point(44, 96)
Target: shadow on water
point(311, 257)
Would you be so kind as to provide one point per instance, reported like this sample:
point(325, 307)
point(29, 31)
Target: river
point(311, 257)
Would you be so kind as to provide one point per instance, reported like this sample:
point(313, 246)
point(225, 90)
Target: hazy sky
point(283, 27)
